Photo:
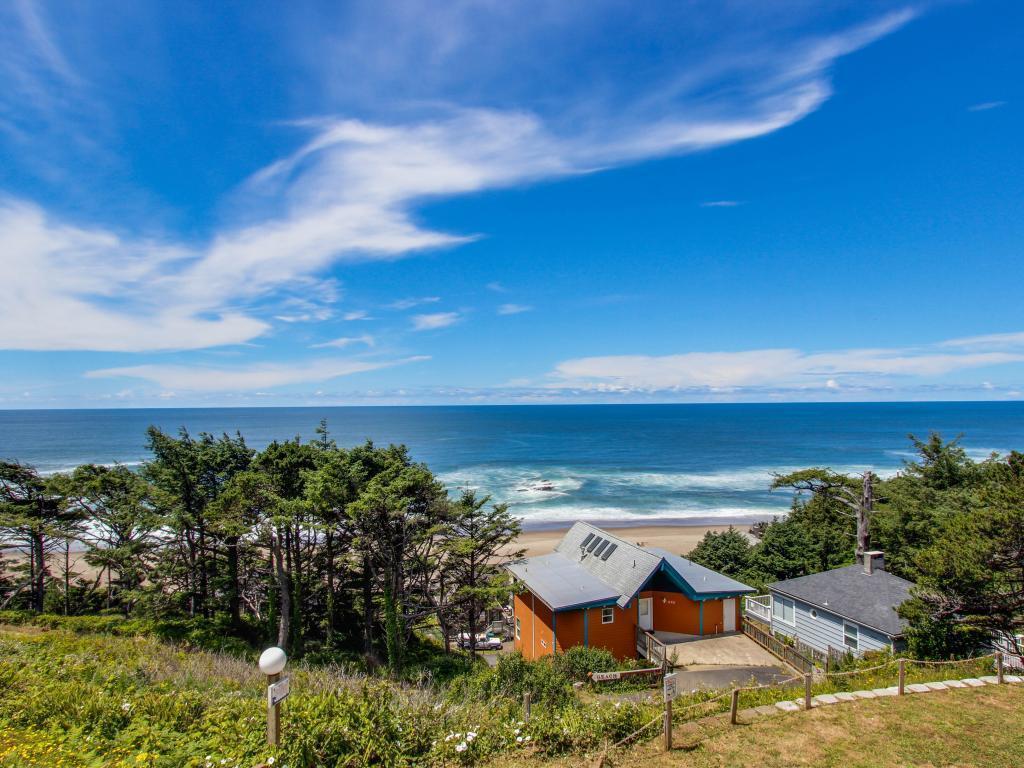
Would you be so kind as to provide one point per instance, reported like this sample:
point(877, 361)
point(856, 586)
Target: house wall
point(537, 636)
point(619, 637)
point(675, 612)
point(827, 630)
point(541, 632)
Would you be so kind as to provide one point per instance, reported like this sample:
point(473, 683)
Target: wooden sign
point(601, 677)
point(671, 686)
point(278, 692)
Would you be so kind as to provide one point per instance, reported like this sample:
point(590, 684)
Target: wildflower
point(471, 735)
point(516, 731)
point(461, 747)
point(519, 739)
point(270, 761)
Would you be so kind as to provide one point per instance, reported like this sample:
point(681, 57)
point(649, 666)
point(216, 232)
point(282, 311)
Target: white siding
point(827, 630)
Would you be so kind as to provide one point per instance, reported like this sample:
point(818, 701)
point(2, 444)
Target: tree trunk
point(864, 509)
point(67, 577)
point(39, 589)
point(204, 573)
point(234, 598)
point(471, 619)
point(367, 608)
point(284, 595)
point(329, 554)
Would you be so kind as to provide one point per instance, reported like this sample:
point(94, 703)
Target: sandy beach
point(678, 539)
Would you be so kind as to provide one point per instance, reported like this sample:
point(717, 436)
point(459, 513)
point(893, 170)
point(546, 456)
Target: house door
point(729, 614)
point(646, 613)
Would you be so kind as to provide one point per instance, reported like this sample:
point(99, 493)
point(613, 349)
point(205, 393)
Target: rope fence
point(669, 717)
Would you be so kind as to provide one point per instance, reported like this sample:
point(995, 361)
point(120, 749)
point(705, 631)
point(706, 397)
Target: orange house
point(598, 590)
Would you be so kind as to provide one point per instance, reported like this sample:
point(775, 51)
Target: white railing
point(759, 607)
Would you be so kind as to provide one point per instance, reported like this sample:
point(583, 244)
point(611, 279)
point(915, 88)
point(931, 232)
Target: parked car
point(485, 641)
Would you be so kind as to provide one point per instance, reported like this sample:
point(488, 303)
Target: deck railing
point(759, 607)
point(773, 645)
point(651, 648)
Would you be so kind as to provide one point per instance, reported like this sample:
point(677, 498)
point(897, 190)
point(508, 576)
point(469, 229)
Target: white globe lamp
point(272, 661)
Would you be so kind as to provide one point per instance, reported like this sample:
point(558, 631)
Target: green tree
point(727, 552)
point(971, 578)
point(475, 544)
point(123, 525)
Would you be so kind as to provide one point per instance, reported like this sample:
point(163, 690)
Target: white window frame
point(781, 616)
point(608, 615)
point(846, 636)
point(519, 628)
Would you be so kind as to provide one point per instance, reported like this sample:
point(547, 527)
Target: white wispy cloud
point(199, 378)
point(402, 304)
point(496, 287)
point(350, 193)
point(347, 341)
point(433, 321)
point(514, 309)
point(357, 314)
point(985, 106)
point(1013, 340)
point(770, 368)
point(720, 204)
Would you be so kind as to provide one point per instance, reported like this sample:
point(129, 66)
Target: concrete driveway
point(716, 677)
point(735, 650)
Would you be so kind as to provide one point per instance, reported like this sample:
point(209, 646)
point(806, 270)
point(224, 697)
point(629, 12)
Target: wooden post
point(903, 677)
point(273, 715)
point(526, 706)
point(667, 724)
point(734, 705)
point(807, 691)
point(999, 666)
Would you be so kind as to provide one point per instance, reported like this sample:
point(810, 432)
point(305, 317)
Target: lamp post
point(272, 663)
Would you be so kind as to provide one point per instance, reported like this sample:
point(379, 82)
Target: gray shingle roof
point(626, 569)
point(590, 566)
point(868, 599)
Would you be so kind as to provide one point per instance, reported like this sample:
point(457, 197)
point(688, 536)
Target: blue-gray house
point(846, 610)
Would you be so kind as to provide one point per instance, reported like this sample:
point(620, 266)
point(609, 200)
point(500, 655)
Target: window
point(607, 615)
point(519, 630)
point(851, 635)
point(783, 609)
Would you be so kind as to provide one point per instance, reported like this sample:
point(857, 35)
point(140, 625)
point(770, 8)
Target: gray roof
point(868, 599)
point(560, 582)
point(626, 570)
point(578, 573)
point(703, 580)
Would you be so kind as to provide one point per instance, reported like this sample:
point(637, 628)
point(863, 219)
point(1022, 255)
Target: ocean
point(554, 464)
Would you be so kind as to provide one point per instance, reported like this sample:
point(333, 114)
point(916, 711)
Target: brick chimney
point(873, 561)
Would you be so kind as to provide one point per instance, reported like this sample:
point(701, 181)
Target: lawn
point(969, 727)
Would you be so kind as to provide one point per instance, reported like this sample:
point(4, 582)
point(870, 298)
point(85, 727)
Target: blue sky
point(510, 202)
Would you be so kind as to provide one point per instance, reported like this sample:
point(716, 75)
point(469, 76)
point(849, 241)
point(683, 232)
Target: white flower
point(461, 747)
point(519, 739)
point(516, 731)
point(270, 761)
point(471, 735)
point(126, 705)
